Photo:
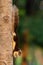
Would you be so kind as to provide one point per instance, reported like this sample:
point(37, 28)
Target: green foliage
point(34, 24)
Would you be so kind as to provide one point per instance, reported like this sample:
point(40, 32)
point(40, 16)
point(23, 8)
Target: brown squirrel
point(16, 50)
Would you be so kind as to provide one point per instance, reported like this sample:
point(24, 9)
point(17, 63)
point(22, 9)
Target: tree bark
point(6, 32)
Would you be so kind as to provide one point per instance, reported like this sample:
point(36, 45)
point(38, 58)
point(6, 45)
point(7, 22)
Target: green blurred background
point(31, 19)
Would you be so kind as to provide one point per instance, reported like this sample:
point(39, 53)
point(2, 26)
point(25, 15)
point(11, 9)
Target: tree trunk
point(5, 32)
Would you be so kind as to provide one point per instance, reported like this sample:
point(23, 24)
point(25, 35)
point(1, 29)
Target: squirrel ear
point(15, 54)
point(19, 52)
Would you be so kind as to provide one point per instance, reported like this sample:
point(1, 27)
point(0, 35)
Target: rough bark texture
point(6, 32)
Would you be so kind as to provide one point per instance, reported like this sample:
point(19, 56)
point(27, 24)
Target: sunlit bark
point(6, 32)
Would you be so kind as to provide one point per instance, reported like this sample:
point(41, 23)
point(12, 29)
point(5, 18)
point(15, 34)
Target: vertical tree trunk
point(5, 32)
